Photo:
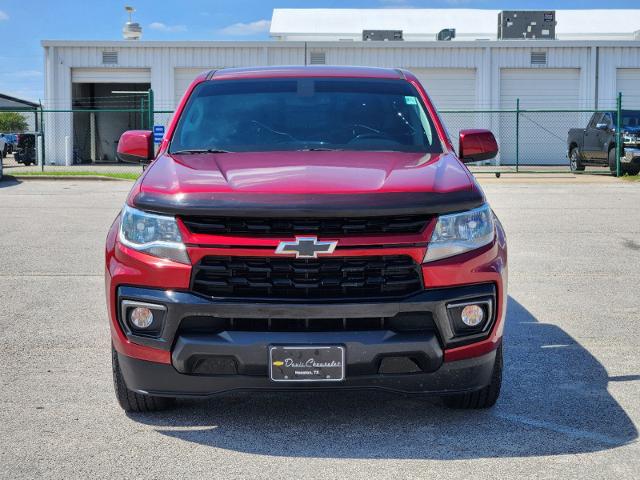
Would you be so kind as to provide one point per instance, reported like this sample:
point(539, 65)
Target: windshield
point(630, 118)
point(305, 114)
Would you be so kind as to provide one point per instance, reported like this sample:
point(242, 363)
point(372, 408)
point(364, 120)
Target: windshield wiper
point(195, 151)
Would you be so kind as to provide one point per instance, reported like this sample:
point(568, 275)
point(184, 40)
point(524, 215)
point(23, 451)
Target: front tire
point(574, 160)
point(632, 169)
point(613, 168)
point(483, 398)
point(131, 401)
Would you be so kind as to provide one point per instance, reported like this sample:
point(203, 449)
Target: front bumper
point(631, 155)
point(164, 380)
point(247, 351)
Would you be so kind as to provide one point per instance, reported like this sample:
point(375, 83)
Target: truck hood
point(304, 182)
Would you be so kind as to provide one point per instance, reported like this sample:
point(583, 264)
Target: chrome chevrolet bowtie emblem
point(306, 247)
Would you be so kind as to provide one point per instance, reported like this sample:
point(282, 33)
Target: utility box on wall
point(526, 24)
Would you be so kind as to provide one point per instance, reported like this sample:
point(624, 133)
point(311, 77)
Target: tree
point(11, 122)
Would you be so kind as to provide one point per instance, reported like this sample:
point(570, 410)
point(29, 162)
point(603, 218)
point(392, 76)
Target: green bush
point(12, 122)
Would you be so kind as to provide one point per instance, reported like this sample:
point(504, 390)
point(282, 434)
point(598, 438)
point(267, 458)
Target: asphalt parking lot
point(570, 406)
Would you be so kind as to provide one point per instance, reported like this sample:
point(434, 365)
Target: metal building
point(29, 110)
point(464, 74)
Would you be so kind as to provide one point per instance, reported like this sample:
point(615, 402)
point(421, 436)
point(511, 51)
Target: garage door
point(628, 82)
point(542, 136)
point(110, 75)
point(182, 79)
point(451, 89)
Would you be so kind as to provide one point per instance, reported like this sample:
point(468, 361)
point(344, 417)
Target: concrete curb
point(547, 179)
point(67, 177)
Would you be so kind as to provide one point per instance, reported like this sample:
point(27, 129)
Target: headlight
point(155, 235)
point(461, 232)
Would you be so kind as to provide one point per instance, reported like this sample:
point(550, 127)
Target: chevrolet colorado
point(306, 228)
point(596, 144)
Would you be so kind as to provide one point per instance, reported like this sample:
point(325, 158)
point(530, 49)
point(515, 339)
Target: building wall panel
point(628, 82)
point(486, 58)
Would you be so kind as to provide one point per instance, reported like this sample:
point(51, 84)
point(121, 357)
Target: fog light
point(141, 317)
point(472, 315)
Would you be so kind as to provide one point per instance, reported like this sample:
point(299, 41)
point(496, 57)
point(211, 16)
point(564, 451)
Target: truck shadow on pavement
point(8, 181)
point(554, 401)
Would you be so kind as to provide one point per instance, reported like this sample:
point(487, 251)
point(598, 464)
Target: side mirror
point(476, 145)
point(136, 146)
point(602, 126)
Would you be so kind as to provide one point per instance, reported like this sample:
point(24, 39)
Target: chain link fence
point(83, 140)
point(529, 140)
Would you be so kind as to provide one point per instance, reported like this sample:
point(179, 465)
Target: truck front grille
point(297, 226)
point(401, 322)
point(323, 278)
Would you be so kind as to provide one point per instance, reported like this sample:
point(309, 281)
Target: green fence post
point(150, 108)
point(517, 134)
point(41, 129)
point(141, 113)
point(618, 133)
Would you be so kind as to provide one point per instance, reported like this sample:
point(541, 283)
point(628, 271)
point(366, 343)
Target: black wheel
point(484, 398)
point(613, 168)
point(131, 401)
point(574, 160)
point(632, 169)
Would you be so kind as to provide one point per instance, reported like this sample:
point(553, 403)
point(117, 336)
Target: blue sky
point(24, 23)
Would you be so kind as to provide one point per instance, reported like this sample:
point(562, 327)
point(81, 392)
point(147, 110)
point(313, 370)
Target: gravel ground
point(570, 406)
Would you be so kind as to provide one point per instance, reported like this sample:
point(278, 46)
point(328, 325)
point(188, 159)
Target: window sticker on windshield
point(410, 100)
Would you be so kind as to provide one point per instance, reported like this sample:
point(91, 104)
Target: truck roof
point(307, 71)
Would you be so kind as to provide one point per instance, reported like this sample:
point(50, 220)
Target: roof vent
point(317, 58)
point(538, 58)
point(446, 34)
point(109, 58)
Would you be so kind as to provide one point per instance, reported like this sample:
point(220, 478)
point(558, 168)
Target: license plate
point(306, 364)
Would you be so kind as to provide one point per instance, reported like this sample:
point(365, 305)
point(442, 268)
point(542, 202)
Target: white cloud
point(24, 83)
point(395, 3)
point(409, 3)
point(27, 73)
point(252, 28)
point(3, 15)
point(162, 27)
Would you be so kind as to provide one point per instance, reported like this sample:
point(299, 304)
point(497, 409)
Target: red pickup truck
point(306, 228)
